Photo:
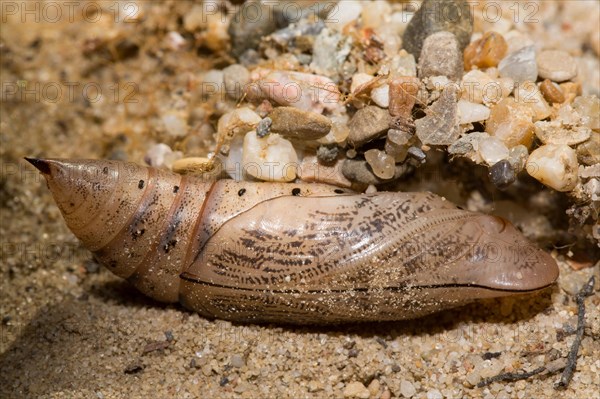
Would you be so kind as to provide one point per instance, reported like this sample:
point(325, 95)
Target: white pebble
point(161, 155)
point(555, 166)
point(434, 394)
point(382, 164)
point(359, 79)
point(356, 390)
point(175, 123)
point(492, 150)
point(407, 389)
point(238, 121)
point(471, 112)
point(556, 65)
point(528, 94)
point(381, 96)
point(271, 158)
point(344, 13)
point(520, 66)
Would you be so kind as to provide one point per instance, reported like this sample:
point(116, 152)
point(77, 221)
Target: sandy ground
point(70, 329)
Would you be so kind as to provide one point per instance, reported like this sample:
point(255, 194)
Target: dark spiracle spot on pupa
point(105, 170)
point(296, 191)
point(141, 184)
point(338, 191)
point(175, 189)
point(242, 191)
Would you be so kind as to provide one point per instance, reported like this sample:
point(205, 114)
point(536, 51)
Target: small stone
point(407, 389)
point(434, 16)
point(295, 123)
point(485, 52)
point(588, 153)
point(329, 52)
point(264, 127)
point(239, 121)
point(327, 154)
point(517, 157)
point(237, 361)
point(403, 95)
point(441, 56)
point(502, 174)
point(512, 123)
point(570, 90)
point(555, 166)
point(345, 12)
point(471, 112)
point(374, 387)
point(367, 124)
point(359, 171)
point(554, 132)
point(468, 146)
point(381, 96)
point(417, 154)
point(479, 87)
point(441, 125)
point(434, 394)
point(249, 25)
point(492, 150)
point(175, 123)
point(271, 158)
point(381, 163)
point(520, 66)
point(397, 143)
point(356, 390)
point(312, 171)
point(556, 65)
point(528, 94)
point(235, 79)
point(588, 107)
point(552, 92)
point(161, 155)
point(314, 386)
point(401, 64)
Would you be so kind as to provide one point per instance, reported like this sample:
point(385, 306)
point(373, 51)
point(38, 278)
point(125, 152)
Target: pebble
point(237, 361)
point(434, 394)
point(175, 123)
point(271, 158)
point(485, 52)
point(441, 56)
point(468, 146)
point(407, 389)
point(359, 171)
point(572, 283)
point(570, 90)
point(403, 95)
point(479, 87)
point(367, 124)
point(556, 65)
point(312, 171)
point(552, 92)
point(588, 153)
point(520, 66)
point(553, 132)
point(512, 123)
point(472, 112)
point(517, 157)
point(249, 25)
point(374, 387)
point(235, 79)
point(492, 150)
point(555, 166)
point(434, 16)
point(327, 154)
point(381, 96)
point(264, 127)
point(401, 64)
point(356, 389)
point(298, 124)
point(329, 52)
point(441, 125)
point(239, 121)
point(381, 163)
point(305, 91)
point(528, 94)
point(502, 174)
point(344, 13)
point(397, 143)
point(161, 155)
point(588, 107)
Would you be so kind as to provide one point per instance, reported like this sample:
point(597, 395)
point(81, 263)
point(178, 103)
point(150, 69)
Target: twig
point(585, 291)
point(510, 377)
